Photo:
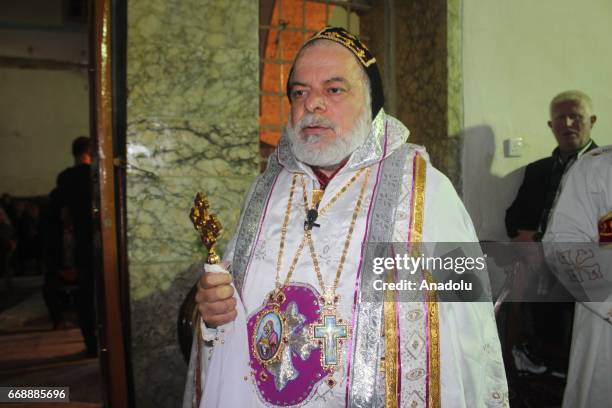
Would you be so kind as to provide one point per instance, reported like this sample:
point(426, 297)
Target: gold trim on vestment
point(391, 334)
point(416, 228)
point(434, 348)
point(433, 328)
point(391, 329)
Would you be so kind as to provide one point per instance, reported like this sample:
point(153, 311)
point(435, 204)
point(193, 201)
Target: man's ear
point(550, 124)
point(593, 120)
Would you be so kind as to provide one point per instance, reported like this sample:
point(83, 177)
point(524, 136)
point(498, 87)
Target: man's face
point(327, 100)
point(571, 123)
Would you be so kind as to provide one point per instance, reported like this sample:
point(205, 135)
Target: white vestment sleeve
point(572, 218)
point(228, 341)
point(472, 368)
point(227, 380)
point(586, 197)
point(571, 241)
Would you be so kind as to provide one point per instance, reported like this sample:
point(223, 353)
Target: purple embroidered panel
point(285, 362)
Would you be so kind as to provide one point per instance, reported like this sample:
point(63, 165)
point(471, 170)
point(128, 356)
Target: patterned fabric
point(448, 356)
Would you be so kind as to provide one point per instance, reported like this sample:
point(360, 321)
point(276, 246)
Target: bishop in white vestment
point(583, 214)
point(304, 334)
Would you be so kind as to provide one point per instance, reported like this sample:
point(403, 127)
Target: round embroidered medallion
point(285, 362)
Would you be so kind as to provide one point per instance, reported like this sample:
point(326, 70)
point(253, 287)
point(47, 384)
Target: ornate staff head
point(207, 225)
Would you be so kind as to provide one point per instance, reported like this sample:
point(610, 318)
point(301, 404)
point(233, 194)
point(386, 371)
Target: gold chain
point(329, 295)
point(281, 247)
point(338, 194)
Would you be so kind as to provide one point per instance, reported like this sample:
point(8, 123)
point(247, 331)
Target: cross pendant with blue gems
point(330, 334)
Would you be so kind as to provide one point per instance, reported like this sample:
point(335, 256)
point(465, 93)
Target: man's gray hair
point(573, 96)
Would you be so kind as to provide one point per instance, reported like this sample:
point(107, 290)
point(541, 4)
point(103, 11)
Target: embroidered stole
point(370, 317)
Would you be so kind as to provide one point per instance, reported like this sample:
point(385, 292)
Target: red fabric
point(605, 229)
point(325, 179)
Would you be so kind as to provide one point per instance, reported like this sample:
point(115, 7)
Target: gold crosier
point(207, 224)
point(209, 227)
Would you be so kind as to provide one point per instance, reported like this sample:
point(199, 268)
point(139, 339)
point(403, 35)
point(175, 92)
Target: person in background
point(7, 202)
point(7, 247)
point(29, 253)
point(571, 121)
point(75, 197)
point(58, 258)
point(545, 345)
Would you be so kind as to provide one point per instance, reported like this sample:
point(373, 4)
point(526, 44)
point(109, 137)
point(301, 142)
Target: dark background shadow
point(486, 195)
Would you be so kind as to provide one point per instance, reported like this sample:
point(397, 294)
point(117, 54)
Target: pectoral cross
point(330, 335)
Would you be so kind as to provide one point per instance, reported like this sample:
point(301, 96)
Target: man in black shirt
point(571, 121)
point(74, 193)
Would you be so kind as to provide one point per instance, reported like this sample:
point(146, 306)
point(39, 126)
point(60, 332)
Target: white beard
point(306, 150)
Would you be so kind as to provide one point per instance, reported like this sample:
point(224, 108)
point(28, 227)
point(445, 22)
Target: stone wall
point(428, 74)
point(192, 126)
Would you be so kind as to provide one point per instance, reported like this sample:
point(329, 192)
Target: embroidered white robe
point(470, 371)
point(586, 197)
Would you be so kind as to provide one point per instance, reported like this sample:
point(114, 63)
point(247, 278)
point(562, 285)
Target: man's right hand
point(215, 299)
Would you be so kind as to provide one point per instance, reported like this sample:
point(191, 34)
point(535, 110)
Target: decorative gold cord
point(329, 294)
point(335, 197)
point(281, 247)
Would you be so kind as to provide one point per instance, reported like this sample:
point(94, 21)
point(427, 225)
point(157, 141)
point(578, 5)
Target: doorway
point(52, 78)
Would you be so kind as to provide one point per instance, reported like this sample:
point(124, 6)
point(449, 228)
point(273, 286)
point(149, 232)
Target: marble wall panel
point(157, 291)
point(175, 80)
point(192, 147)
point(197, 23)
point(455, 72)
point(454, 106)
point(422, 73)
point(193, 86)
point(161, 230)
point(428, 74)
